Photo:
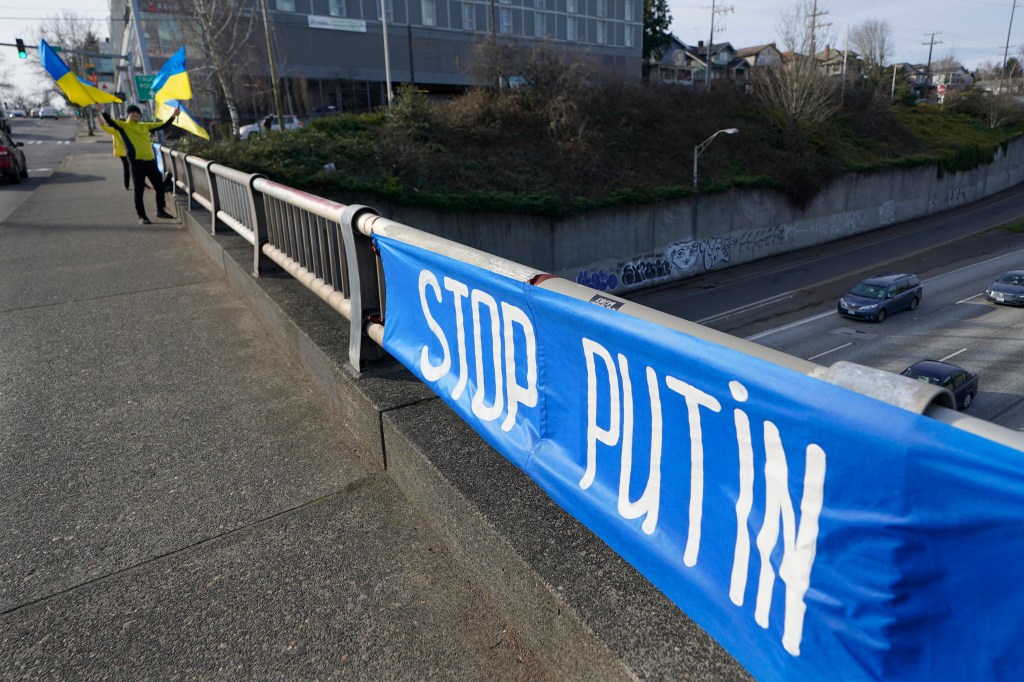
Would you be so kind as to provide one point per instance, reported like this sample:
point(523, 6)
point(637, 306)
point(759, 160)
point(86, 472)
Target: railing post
point(258, 220)
point(211, 182)
point(190, 185)
point(363, 288)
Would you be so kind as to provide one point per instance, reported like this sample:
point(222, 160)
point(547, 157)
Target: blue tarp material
point(812, 531)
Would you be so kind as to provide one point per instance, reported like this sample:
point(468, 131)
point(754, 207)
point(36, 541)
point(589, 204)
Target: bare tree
point(948, 63)
point(798, 93)
point(874, 42)
point(74, 33)
point(219, 35)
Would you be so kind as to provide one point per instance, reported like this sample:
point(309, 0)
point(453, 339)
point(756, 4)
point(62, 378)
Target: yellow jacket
point(119, 149)
point(136, 136)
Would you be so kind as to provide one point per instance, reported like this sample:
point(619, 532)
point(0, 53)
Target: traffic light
point(22, 52)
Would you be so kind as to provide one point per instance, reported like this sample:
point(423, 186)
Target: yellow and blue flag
point(172, 80)
point(77, 91)
point(165, 110)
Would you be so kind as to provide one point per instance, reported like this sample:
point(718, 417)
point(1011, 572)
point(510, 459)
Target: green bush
point(573, 147)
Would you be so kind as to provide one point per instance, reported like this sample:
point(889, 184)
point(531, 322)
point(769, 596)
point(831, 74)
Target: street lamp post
point(699, 149)
point(696, 155)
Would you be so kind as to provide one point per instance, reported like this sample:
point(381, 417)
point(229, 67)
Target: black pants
point(140, 171)
point(127, 171)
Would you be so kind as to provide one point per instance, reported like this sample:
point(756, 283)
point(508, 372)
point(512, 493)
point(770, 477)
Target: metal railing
point(329, 248)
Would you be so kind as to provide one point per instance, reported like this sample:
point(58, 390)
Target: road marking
point(790, 325)
point(830, 351)
point(953, 355)
point(750, 306)
point(968, 299)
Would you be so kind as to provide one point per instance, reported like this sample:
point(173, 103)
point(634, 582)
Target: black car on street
point(962, 383)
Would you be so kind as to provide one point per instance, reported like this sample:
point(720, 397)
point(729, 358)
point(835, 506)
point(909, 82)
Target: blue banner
point(812, 531)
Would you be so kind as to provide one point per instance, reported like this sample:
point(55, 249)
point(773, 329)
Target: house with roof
point(760, 55)
point(688, 65)
point(836, 63)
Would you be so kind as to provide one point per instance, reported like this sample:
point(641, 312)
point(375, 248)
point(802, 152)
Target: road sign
point(143, 85)
point(942, 89)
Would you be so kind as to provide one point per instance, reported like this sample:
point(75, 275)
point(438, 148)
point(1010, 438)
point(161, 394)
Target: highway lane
point(954, 323)
point(788, 302)
point(752, 297)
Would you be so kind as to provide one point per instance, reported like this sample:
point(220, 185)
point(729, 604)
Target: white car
point(254, 129)
point(48, 112)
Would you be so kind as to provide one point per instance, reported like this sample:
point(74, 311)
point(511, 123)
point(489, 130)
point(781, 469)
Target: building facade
point(325, 48)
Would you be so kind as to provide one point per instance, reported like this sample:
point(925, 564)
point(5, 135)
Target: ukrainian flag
point(164, 110)
point(77, 91)
point(172, 81)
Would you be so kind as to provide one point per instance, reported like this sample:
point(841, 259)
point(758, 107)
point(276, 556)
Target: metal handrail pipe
point(322, 289)
point(324, 208)
point(243, 231)
point(370, 225)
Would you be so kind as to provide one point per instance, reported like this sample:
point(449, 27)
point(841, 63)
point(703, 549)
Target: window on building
point(337, 8)
point(505, 20)
point(602, 32)
point(285, 5)
point(602, 8)
point(538, 4)
point(628, 11)
point(429, 12)
point(570, 6)
point(468, 16)
point(627, 36)
point(389, 7)
point(540, 25)
point(570, 28)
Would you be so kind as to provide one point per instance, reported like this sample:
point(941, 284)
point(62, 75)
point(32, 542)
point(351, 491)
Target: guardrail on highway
point(906, 509)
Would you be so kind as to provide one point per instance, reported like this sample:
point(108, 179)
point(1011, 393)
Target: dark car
point(963, 383)
point(878, 297)
point(1008, 289)
point(12, 159)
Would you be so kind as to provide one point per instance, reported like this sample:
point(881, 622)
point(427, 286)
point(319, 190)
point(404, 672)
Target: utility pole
point(1006, 50)
point(815, 25)
point(931, 44)
point(711, 40)
point(275, 88)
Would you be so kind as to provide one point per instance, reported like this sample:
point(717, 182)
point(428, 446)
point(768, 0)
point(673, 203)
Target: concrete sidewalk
point(181, 500)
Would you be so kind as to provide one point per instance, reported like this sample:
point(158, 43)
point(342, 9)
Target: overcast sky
point(974, 31)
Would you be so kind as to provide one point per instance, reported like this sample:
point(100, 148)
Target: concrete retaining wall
point(629, 248)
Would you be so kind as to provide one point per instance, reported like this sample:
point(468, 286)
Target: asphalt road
point(748, 299)
point(789, 302)
point(47, 143)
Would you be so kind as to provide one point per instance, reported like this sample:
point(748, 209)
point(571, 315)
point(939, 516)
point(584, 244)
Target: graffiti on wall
point(600, 280)
point(846, 224)
point(693, 256)
point(887, 213)
point(958, 195)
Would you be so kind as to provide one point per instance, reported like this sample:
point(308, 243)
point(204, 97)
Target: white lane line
point(750, 306)
point(831, 351)
point(953, 355)
point(968, 299)
point(790, 325)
